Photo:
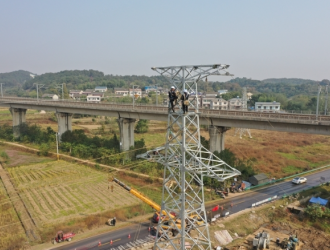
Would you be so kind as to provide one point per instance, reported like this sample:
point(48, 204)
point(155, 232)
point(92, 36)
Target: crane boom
point(141, 197)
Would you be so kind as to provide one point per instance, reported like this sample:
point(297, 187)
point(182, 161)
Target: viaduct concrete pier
point(19, 119)
point(217, 138)
point(126, 128)
point(64, 121)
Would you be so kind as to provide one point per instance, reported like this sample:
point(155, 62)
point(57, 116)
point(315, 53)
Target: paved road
point(139, 233)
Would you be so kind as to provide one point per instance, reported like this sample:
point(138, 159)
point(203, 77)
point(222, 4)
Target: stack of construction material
point(223, 237)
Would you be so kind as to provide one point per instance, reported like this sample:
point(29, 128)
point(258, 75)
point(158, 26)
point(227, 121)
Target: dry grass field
point(11, 231)
point(277, 153)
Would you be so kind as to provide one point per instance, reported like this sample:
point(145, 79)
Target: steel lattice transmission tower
point(186, 162)
point(242, 131)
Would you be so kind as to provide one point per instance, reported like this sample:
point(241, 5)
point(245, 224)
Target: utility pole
point(326, 100)
point(1, 90)
point(134, 95)
point(244, 99)
point(56, 135)
point(61, 84)
point(156, 85)
point(41, 85)
point(318, 100)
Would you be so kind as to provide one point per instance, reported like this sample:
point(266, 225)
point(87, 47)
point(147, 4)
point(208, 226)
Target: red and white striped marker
point(129, 236)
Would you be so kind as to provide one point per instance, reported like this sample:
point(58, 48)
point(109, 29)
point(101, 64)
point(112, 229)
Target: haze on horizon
point(259, 39)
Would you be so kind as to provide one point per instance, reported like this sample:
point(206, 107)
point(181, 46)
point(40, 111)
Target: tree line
point(76, 143)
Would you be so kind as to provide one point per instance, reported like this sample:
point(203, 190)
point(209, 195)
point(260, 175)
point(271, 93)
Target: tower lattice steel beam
point(186, 162)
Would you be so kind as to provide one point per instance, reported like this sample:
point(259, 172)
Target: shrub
point(91, 221)
point(43, 149)
point(4, 157)
point(142, 126)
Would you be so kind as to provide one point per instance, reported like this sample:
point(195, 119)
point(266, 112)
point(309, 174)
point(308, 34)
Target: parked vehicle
point(299, 180)
point(60, 236)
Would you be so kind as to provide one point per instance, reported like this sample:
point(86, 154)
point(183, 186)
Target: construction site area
point(57, 200)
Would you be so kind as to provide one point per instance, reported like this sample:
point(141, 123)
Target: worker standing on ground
point(185, 101)
point(278, 242)
point(172, 96)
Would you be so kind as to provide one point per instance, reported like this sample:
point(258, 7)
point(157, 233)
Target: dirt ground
point(18, 158)
point(275, 232)
point(309, 237)
point(90, 126)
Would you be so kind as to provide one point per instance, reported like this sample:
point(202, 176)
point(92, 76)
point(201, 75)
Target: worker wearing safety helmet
point(172, 96)
point(185, 102)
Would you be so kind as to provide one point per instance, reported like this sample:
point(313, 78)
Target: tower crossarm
point(200, 161)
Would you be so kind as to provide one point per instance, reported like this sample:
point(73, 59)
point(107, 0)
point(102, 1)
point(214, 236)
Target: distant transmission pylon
point(242, 131)
point(186, 162)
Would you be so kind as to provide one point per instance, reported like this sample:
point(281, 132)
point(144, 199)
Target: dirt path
point(22, 213)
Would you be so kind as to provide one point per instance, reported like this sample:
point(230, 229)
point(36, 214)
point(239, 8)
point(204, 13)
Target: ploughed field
point(58, 191)
point(9, 222)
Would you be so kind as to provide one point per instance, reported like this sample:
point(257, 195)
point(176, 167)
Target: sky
point(258, 39)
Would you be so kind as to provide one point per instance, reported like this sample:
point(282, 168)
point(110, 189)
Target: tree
point(141, 126)
point(65, 91)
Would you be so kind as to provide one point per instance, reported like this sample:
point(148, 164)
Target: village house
point(137, 92)
point(267, 106)
point(121, 92)
point(235, 103)
point(101, 89)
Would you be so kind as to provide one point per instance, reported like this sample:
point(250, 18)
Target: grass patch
point(288, 155)
point(152, 139)
point(291, 170)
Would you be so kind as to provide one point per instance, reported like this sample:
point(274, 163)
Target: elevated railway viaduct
point(219, 121)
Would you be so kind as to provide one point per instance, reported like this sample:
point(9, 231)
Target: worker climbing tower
point(242, 131)
point(186, 162)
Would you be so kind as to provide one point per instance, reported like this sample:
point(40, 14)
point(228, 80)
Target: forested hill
point(289, 87)
point(291, 81)
point(88, 79)
point(15, 78)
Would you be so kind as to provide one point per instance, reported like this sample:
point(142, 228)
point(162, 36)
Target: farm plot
point(57, 191)
point(9, 222)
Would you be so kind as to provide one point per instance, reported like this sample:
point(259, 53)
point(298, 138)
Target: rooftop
point(267, 103)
